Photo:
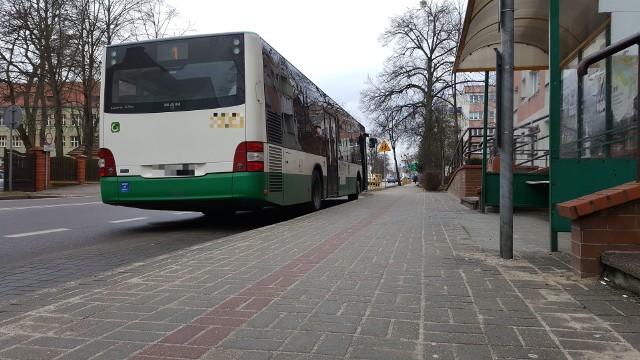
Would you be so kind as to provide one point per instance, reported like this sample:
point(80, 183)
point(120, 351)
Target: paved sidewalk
point(397, 274)
point(91, 189)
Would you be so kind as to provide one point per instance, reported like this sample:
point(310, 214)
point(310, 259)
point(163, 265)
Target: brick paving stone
point(122, 350)
point(135, 336)
point(398, 274)
point(55, 342)
point(302, 342)
point(30, 352)
point(334, 344)
point(91, 349)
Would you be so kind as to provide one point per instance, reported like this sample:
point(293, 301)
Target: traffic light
point(372, 143)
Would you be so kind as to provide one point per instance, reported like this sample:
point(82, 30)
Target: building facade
point(72, 123)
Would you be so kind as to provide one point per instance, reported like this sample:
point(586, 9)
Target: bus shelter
point(592, 117)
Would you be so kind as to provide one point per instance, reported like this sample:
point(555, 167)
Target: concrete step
point(623, 269)
point(472, 202)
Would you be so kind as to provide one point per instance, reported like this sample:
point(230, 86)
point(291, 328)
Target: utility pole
point(506, 110)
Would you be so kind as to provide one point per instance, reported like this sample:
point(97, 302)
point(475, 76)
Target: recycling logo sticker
point(115, 127)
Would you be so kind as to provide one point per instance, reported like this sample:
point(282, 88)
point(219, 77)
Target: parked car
point(1, 180)
point(392, 180)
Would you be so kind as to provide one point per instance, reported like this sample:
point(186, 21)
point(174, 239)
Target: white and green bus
point(220, 123)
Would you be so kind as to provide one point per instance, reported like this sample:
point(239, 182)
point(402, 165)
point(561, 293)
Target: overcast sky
point(333, 42)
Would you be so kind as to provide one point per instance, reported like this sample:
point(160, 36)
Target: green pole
point(555, 93)
point(483, 194)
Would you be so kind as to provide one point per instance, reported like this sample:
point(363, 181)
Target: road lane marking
point(49, 206)
point(36, 233)
point(127, 220)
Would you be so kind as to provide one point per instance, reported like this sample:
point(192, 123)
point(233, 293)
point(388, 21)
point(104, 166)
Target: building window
point(64, 119)
point(17, 142)
point(473, 98)
point(533, 82)
point(491, 131)
point(64, 141)
point(476, 132)
point(475, 115)
point(49, 120)
point(76, 119)
point(3, 141)
point(492, 114)
point(529, 85)
point(75, 141)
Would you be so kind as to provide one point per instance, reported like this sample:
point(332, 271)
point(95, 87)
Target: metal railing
point(527, 147)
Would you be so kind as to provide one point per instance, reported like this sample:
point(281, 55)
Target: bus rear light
point(249, 156)
point(255, 166)
point(255, 146)
point(254, 156)
point(106, 162)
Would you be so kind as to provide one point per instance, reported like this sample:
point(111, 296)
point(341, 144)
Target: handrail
point(470, 144)
point(616, 47)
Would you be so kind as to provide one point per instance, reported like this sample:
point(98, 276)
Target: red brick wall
point(603, 221)
point(81, 168)
point(466, 181)
point(617, 228)
point(42, 159)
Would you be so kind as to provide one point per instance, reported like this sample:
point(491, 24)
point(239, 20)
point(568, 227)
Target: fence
point(34, 170)
point(63, 169)
point(23, 171)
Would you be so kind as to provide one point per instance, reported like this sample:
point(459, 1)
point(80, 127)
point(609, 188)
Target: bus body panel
point(194, 137)
point(193, 193)
point(184, 160)
point(254, 87)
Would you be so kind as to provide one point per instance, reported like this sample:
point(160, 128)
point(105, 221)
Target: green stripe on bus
point(226, 186)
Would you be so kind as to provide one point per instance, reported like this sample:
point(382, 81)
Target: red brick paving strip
point(193, 340)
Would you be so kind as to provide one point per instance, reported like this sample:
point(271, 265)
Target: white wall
point(624, 19)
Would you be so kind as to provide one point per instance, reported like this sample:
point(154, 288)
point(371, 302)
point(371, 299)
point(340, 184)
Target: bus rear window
point(193, 74)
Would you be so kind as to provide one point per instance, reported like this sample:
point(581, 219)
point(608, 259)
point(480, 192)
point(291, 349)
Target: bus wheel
point(316, 192)
point(357, 193)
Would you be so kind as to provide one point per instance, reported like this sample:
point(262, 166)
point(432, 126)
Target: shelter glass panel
point(569, 111)
point(594, 103)
point(599, 110)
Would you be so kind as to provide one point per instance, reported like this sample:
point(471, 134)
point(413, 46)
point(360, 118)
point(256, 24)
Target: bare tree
point(97, 22)
point(119, 18)
point(39, 54)
point(387, 123)
point(419, 74)
point(157, 20)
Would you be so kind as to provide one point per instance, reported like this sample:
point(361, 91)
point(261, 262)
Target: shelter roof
point(579, 22)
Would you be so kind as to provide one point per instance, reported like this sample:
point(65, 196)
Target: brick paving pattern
point(398, 274)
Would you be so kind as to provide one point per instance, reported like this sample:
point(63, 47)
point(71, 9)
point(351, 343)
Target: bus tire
point(316, 192)
point(354, 196)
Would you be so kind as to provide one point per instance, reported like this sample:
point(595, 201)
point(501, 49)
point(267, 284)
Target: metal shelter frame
point(545, 40)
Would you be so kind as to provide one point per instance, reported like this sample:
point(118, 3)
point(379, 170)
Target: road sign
point(384, 146)
point(48, 138)
point(12, 116)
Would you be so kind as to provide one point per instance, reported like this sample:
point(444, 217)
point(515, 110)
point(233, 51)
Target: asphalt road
point(76, 237)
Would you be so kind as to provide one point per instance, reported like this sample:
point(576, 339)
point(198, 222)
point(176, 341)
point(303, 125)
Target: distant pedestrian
point(415, 179)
